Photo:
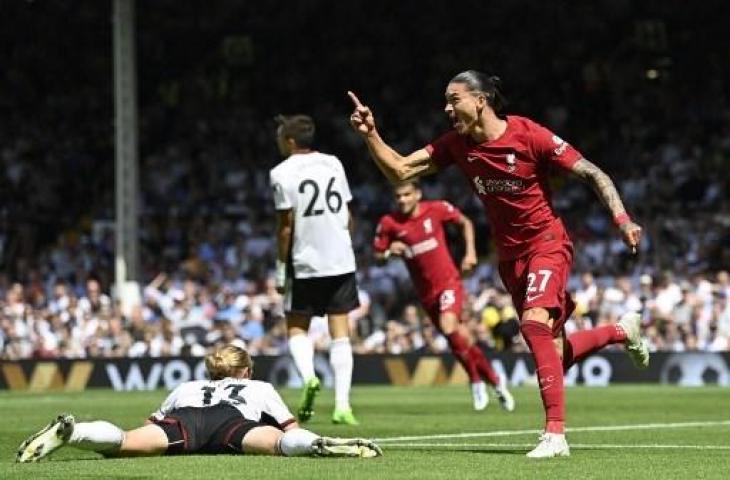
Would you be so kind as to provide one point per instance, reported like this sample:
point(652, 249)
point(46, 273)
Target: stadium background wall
point(686, 369)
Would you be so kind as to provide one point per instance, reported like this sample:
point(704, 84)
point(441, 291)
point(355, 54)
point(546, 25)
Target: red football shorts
point(450, 299)
point(540, 280)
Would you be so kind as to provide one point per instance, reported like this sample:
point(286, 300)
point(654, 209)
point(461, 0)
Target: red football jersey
point(428, 259)
point(510, 176)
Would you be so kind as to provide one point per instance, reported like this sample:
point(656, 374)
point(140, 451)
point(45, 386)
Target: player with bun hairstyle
point(229, 361)
point(507, 160)
point(230, 413)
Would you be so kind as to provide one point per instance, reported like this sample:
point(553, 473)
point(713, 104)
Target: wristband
point(386, 254)
point(621, 219)
point(280, 274)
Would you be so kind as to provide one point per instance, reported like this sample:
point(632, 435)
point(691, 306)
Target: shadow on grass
point(482, 450)
point(497, 451)
point(75, 459)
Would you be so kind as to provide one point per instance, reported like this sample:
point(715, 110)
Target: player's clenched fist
point(631, 234)
point(398, 248)
point(362, 119)
point(468, 263)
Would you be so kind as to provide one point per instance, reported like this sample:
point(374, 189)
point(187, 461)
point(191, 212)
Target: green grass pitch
point(629, 432)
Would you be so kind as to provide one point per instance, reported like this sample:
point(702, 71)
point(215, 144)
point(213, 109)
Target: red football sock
point(460, 348)
point(484, 366)
point(539, 338)
point(583, 343)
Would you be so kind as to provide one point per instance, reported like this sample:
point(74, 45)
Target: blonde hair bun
point(227, 361)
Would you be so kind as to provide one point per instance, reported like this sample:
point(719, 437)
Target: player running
point(315, 264)
point(416, 233)
point(507, 160)
point(228, 414)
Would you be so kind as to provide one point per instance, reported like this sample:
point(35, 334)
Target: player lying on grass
point(228, 414)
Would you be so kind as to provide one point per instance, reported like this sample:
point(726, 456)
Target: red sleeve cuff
point(621, 219)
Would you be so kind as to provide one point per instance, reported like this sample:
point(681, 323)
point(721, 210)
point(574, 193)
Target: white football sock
point(302, 351)
point(341, 361)
point(99, 436)
point(297, 442)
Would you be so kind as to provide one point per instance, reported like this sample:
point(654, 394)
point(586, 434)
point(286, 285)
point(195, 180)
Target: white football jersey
point(251, 397)
point(315, 187)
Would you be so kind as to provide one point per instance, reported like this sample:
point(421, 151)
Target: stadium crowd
point(181, 316)
point(619, 94)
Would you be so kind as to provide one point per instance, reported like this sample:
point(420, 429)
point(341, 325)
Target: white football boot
point(46, 441)
point(479, 396)
point(506, 400)
point(551, 445)
point(346, 447)
point(636, 347)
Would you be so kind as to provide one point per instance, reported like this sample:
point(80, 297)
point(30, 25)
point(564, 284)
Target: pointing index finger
point(354, 99)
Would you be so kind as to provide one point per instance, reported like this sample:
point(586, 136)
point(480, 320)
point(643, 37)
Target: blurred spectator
point(206, 221)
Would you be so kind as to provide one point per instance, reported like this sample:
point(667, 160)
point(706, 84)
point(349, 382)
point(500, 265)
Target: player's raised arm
point(394, 166)
point(606, 191)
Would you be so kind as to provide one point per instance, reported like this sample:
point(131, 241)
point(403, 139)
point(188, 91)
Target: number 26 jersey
point(314, 186)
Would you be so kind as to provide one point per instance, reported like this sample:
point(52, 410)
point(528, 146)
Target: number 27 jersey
point(314, 186)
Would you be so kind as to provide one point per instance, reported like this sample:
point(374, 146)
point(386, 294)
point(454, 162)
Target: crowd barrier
point(606, 368)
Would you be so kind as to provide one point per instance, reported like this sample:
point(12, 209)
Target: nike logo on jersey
point(529, 298)
point(401, 234)
point(471, 159)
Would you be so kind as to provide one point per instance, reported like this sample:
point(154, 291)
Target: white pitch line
point(603, 428)
point(572, 445)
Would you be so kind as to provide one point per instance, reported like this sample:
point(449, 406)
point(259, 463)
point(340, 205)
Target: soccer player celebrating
point(416, 233)
point(506, 160)
point(315, 264)
point(230, 413)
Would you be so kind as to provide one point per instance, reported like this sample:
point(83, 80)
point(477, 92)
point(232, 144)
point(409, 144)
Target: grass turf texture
point(397, 412)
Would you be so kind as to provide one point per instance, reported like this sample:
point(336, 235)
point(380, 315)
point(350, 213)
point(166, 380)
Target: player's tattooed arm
point(606, 191)
point(601, 184)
